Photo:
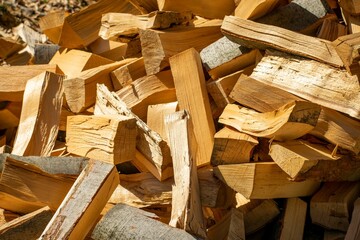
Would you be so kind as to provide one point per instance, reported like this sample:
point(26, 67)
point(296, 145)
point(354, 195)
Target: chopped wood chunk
point(294, 219)
point(127, 74)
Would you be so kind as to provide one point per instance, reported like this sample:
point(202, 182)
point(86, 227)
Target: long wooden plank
point(252, 34)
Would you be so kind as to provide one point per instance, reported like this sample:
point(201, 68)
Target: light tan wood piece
point(353, 231)
point(351, 6)
point(40, 115)
point(207, 9)
point(158, 46)
point(30, 225)
point(51, 25)
point(191, 93)
point(83, 204)
point(294, 219)
point(331, 206)
point(348, 49)
point(331, 30)
point(252, 34)
point(128, 73)
point(9, 46)
point(14, 79)
point(111, 139)
point(232, 146)
point(263, 181)
point(327, 86)
point(186, 212)
point(290, 121)
point(248, 9)
point(148, 90)
point(149, 143)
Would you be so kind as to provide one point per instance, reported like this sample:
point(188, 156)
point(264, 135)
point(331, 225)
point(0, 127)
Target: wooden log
point(158, 46)
point(9, 46)
point(291, 121)
point(51, 25)
point(14, 80)
point(347, 47)
point(8, 118)
point(186, 212)
point(149, 143)
point(125, 222)
point(128, 73)
point(232, 146)
point(331, 206)
point(83, 204)
point(262, 36)
point(148, 90)
point(254, 9)
point(207, 9)
point(350, 6)
point(82, 28)
point(191, 94)
point(40, 115)
point(30, 225)
point(29, 36)
point(111, 139)
point(263, 181)
point(353, 231)
point(333, 235)
point(331, 30)
point(352, 22)
point(44, 52)
point(145, 6)
point(294, 219)
point(336, 89)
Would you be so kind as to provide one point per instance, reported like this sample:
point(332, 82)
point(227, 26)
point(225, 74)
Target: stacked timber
point(220, 119)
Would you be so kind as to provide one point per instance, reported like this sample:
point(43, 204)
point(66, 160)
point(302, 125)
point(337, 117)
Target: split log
point(127, 74)
point(348, 49)
point(9, 46)
point(263, 181)
point(30, 225)
point(125, 222)
point(51, 25)
point(40, 115)
point(83, 204)
point(145, 6)
point(291, 121)
point(262, 36)
point(148, 90)
point(186, 212)
point(331, 30)
point(327, 86)
point(19, 59)
point(149, 143)
point(294, 219)
point(14, 78)
point(29, 36)
point(352, 22)
point(248, 9)
point(353, 231)
point(232, 146)
point(350, 6)
point(44, 53)
point(331, 206)
point(191, 93)
point(158, 46)
point(9, 114)
point(111, 139)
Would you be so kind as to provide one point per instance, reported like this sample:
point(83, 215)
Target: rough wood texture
point(248, 9)
point(331, 30)
point(331, 206)
point(237, 226)
point(353, 231)
point(351, 6)
point(290, 121)
point(327, 86)
point(40, 115)
point(186, 212)
point(263, 181)
point(125, 223)
point(51, 25)
point(149, 143)
point(252, 34)
point(145, 6)
point(191, 93)
point(84, 202)
point(232, 146)
point(125, 75)
point(9, 114)
point(294, 219)
point(44, 53)
point(111, 139)
point(9, 46)
point(348, 49)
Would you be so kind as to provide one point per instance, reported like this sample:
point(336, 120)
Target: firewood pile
point(160, 119)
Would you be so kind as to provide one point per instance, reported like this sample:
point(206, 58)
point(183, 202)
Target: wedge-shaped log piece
point(84, 202)
point(158, 46)
point(30, 225)
point(331, 30)
point(82, 28)
point(14, 79)
point(192, 95)
point(248, 9)
point(290, 121)
point(145, 6)
point(149, 143)
point(9, 46)
point(9, 114)
point(353, 231)
point(263, 181)
point(311, 80)
point(232, 146)
point(348, 47)
point(114, 25)
point(331, 206)
point(351, 6)
point(80, 90)
point(145, 91)
point(207, 9)
point(111, 139)
point(125, 222)
point(257, 35)
point(51, 25)
point(230, 227)
point(40, 115)
point(294, 219)
point(186, 212)
point(128, 73)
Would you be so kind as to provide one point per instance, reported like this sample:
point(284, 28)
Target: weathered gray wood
point(44, 52)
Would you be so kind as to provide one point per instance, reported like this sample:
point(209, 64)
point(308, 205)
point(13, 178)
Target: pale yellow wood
point(253, 9)
point(294, 219)
point(51, 25)
point(128, 73)
point(353, 231)
point(111, 139)
point(40, 115)
point(115, 50)
point(290, 121)
point(347, 47)
point(192, 96)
